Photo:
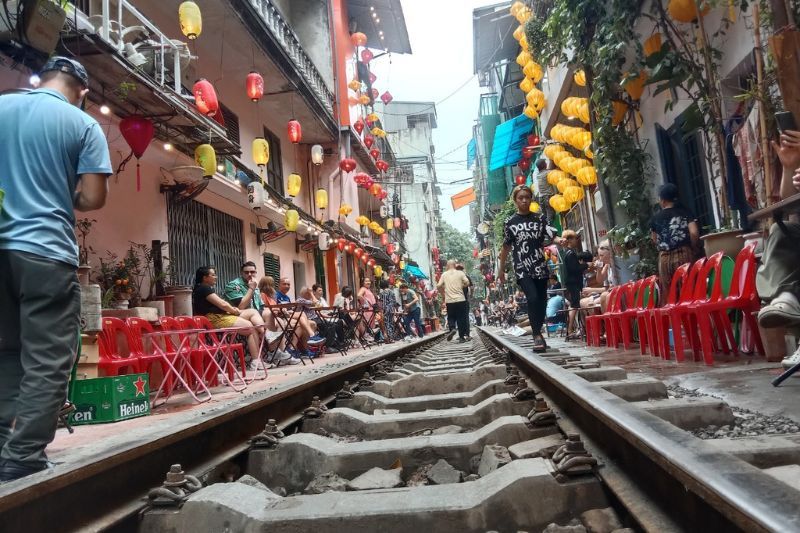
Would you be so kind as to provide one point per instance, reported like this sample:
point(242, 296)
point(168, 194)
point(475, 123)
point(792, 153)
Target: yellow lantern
point(555, 176)
point(587, 176)
point(378, 270)
point(364, 99)
point(523, 58)
point(291, 219)
point(354, 85)
point(580, 78)
point(573, 194)
point(523, 42)
point(373, 117)
point(374, 226)
point(361, 220)
point(293, 183)
point(402, 265)
point(191, 20)
point(686, 10)
point(564, 184)
point(534, 207)
point(518, 33)
point(559, 203)
point(530, 68)
point(345, 210)
point(206, 157)
point(530, 112)
point(620, 110)
point(389, 224)
point(588, 153)
point(552, 149)
point(652, 45)
point(260, 151)
point(321, 197)
point(560, 156)
point(377, 132)
point(515, 7)
point(526, 85)
point(635, 86)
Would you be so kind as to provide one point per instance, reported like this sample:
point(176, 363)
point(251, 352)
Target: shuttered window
point(272, 266)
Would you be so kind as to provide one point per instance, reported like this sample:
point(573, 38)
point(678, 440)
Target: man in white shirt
point(452, 284)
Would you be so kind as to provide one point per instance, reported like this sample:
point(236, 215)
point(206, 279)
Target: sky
point(440, 70)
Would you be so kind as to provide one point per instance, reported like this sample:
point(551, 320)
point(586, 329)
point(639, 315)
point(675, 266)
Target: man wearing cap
point(54, 159)
point(675, 232)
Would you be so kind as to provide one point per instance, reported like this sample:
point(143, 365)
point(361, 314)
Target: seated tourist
point(318, 294)
point(605, 278)
point(323, 329)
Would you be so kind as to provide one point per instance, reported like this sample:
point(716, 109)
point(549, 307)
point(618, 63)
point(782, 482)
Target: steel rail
point(105, 492)
point(699, 487)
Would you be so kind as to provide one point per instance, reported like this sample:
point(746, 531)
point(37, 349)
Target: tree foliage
point(455, 244)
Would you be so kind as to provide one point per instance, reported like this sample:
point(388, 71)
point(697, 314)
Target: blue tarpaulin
point(415, 271)
point(471, 153)
point(509, 139)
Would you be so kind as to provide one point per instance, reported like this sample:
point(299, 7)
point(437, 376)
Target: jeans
point(40, 306)
point(414, 315)
point(779, 266)
point(458, 313)
point(536, 292)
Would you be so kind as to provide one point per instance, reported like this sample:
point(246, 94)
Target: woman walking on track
point(525, 235)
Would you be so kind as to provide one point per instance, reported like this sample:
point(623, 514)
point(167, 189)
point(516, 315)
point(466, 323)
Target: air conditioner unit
point(40, 22)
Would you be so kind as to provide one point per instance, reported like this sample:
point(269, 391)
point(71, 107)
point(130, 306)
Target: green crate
point(102, 400)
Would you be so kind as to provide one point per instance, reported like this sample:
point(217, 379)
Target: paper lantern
point(372, 118)
point(291, 220)
point(358, 252)
point(317, 154)
point(345, 210)
point(375, 153)
point(635, 86)
point(382, 165)
point(565, 183)
point(373, 225)
point(552, 149)
point(256, 195)
point(355, 84)
point(255, 86)
point(389, 223)
point(340, 244)
point(293, 183)
point(559, 203)
point(378, 270)
point(358, 39)
point(374, 93)
point(652, 45)
point(361, 178)
point(401, 265)
point(534, 207)
point(620, 110)
point(324, 241)
point(524, 165)
point(587, 176)
point(358, 125)
point(364, 99)
point(384, 239)
point(260, 151)
point(518, 33)
point(205, 157)
point(366, 55)
point(294, 131)
point(361, 220)
point(369, 140)
point(138, 132)
point(530, 112)
point(205, 97)
point(573, 194)
point(523, 58)
point(554, 176)
point(350, 248)
point(321, 198)
point(526, 85)
point(191, 20)
point(365, 258)
point(386, 97)
point(686, 10)
point(519, 179)
point(375, 189)
point(377, 132)
point(580, 78)
point(347, 164)
point(534, 140)
point(390, 250)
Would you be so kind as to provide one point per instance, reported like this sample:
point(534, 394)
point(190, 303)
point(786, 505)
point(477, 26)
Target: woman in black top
point(525, 235)
point(573, 279)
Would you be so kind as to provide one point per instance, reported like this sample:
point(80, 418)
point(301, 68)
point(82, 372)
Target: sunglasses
point(603, 248)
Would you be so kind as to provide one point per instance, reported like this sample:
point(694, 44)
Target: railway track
point(437, 436)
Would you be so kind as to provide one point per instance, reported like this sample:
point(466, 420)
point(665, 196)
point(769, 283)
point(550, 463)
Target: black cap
point(668, 192)
point(69, 66)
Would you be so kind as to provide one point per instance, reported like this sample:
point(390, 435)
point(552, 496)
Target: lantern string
point(138, 177)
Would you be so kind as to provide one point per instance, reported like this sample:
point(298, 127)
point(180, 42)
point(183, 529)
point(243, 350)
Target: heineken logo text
point(133, 408)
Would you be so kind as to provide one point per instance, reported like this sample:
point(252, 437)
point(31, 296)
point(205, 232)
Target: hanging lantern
point(652, 45)
point(384, 239)
point(375, 153)
point(369, 140)
point(686, 10)
point(358, 252)
point(190, 19)
point(293, 183)
point(345, 210)
point(340, 244)
point(524, 165)
point(530, 112)
point(397, 222)
point(401, 265)
point(350, 248)
point(390, 249)
point(373, 225)
point(375, 189)
point(386, 97)
point(519, 179)
point(255, 86)
point(256, 195)
point(389, 222)
point(205, 157)
point(620, 110)
point(378, 270)
point(205, 97)
point(364, 99)
point(138, 132)
point(374, 93)
point(378, 132)
point(519, 32)
point(372, 118)
point(291, 220)
point(361, 220)
point(321, 198)
point(526, 85)
point(534, 140)
point(317, 154)
point(372, 78)
point(358, 39)
point(364, 258)
point(371, 262)
point(366, 55)
point(523, 58)
point(260, 151)
point(355, 84)
point(358, 125)
point(534, 207)
point(382, 165)
point(294, 131)
point(347, 164)
point(324, 241)
point(580, 78)
point(635, 86)
point(587, 176)
point(573, 194)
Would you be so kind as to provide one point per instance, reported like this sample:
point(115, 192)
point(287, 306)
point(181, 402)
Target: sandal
point(539, 344)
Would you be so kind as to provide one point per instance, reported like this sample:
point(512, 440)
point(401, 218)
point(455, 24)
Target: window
point(274, 167)
point(272, 266)
point(231, 123)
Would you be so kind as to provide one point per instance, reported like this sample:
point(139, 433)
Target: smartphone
point(785, 121)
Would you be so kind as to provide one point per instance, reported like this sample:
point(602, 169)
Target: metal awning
point(379, 255)
point(492, 27)
point(392, 24)
point(509, 138)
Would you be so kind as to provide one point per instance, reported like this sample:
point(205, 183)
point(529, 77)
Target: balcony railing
point(283, 34)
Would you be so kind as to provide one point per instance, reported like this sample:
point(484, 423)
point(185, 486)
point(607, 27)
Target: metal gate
point(200, 235)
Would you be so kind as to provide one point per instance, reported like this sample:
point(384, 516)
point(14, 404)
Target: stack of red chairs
point(145, 351)
point(117, 354)
point(647, 318)
point(644, 296)
point(212, 341)
point(594, 322)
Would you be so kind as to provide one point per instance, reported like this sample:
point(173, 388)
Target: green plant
point(115, 277)
point(83, 226)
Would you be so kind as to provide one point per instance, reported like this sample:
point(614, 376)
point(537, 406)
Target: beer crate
point(110, 399)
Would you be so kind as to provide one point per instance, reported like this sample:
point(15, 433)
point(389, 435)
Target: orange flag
point(463, 198)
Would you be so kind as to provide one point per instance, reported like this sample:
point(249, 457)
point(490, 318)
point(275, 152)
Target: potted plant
point(83, 226)
point(725, 239)
point(121, 279)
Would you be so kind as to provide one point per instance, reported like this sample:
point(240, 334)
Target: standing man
point(53, 159)
point(675, 232)
point(453, 284)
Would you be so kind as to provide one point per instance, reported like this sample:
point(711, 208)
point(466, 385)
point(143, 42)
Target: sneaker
point(254, 366)
point(783, 310)
point(316, 341)
point(451, 334)
point(408, 338)
point(790, 360)
point(282, 356)
point(293, 361)
point(12, 470)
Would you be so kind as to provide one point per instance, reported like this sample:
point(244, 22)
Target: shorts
point(573, 295)
point(222, 320)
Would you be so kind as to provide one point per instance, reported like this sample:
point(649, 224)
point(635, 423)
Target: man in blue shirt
point(282, 294)
point(53, 159)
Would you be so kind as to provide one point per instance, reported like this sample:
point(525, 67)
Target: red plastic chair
point(145, 352)
point(621, 330)
point(742, 296)
point(117, 356)
point(645, 298)
point(173, 342)
point(211, 341)
point(645, 318)
point(662, 316)
point(594, 322)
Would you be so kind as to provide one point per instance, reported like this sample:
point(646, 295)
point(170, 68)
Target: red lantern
point(389, 248)
point(369, 182)
point(372, 78)
point(386, 98)
point(205, 97)
point(524, 165)
point(384, 195)
point(374, 93)
point(358, 39)
point(519, 179)
point(397, 222)
point(365, 258)
point(475, 252)
point(358, 252)
point(351, 248)
point(347, 164)
point(255, 86)
point(366, 55)
point(369, 140)
point(375, 189)
point(382, 165)
point(395, 258)
point(375, 153)
point(358, 125)
point(384, 239)
point(361, 178)
point(528, 151)
point(340, 244)
point(294, 131)
point(138, 132)
point(371, 263)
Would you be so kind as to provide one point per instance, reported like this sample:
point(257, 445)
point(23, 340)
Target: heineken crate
point(101, 400)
